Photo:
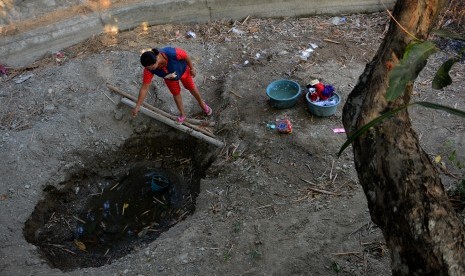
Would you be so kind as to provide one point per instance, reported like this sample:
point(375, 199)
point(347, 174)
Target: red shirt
point(147, 75)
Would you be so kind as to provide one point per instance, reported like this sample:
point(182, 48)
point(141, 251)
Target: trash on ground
point(339, 130)
point(191, 34)
point(305, 54)
point(271, 125)
point(3, 70)
point(23, 77)
point(284, 125)
point(60, 57)
point(237, 31)
point(337, 20)
point(314, 46)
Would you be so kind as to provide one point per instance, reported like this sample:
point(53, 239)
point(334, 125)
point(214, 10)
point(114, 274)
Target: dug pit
point(117, 201)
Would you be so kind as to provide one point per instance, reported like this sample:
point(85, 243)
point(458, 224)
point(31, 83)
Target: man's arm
point(181, 54)
point(191, 66)
point(142, 94)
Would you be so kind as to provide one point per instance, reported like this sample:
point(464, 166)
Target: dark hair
point(149, 57)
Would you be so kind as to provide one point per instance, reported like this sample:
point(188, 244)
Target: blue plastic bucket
point(283, 93)
point(323, 111)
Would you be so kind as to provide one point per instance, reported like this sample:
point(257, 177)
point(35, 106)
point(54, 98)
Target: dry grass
point(453, 16)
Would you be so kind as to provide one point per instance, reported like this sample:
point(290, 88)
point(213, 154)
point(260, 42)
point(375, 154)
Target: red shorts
point(187, 82)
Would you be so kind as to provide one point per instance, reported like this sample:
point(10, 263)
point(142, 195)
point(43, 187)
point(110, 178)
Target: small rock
point(183, 258)
point(141, 128)
point(23, 77)
point(49, 108)
point(32, 262)
point(118, 115)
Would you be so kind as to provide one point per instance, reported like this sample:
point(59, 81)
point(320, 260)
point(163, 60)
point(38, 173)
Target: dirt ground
point(267, 203)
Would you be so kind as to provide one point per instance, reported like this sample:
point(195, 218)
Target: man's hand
point(135, 110)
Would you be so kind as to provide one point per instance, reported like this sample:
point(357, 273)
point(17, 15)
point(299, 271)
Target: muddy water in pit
point(118, 201)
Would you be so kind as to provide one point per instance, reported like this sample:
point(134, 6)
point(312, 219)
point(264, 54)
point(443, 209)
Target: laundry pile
point(320, 93)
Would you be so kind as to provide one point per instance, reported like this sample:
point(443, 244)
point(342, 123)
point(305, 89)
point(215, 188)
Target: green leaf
point(442, 77)
point(447, 109)
point(379, 119)
point(414, 59)
point(367, 126)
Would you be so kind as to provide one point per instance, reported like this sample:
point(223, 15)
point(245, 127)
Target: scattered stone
point(118, 114)
point(49, 108)
point(23, 77)
point(183, 258)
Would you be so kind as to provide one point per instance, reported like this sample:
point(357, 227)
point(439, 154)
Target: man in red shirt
point(173, 65)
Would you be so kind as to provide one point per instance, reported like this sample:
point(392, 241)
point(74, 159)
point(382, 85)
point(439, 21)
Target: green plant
point(236, 227)
point(454, 159)
point(451, 153)
point(255, 254)
point(336, 267)
point(381, 118)
point(226, 256)
point(405, 72)
point(461, 188)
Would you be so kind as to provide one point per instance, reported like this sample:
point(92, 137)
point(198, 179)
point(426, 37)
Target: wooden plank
point(157, 110)
point(173, 124)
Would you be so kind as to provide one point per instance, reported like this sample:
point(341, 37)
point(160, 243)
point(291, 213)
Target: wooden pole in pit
point(159, 111)
point(173, 124)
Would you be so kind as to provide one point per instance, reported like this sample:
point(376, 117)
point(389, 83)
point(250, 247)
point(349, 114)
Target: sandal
point(181, 119)
point(208, 111)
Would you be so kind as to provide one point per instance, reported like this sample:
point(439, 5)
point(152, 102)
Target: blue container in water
point(283, 93)
point(158, 182)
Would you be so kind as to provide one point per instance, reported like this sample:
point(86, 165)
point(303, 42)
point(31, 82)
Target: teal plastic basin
point(283, 93)
point(323, 111)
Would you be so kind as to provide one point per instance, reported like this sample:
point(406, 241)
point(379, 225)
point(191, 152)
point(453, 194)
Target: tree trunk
point(404, 192)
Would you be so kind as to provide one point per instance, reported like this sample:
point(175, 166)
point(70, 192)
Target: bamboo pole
point(157, 110)
point(172, 124)
point(163, 113)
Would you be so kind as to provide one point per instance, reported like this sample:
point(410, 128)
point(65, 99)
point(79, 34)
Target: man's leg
point(188, 83)
point(179, 104)
point(175, 90)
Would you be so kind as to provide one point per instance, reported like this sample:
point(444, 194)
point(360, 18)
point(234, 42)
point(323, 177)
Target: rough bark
point(404, 192)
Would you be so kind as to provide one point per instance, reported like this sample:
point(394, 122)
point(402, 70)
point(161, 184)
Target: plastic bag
point(284, 125)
